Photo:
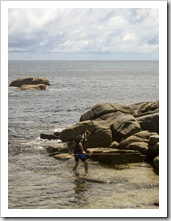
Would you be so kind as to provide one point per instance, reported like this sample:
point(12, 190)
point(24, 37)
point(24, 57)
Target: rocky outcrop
point(145, 108)
point(149, 122)
point(130, 131)
point(30, 83)
point(101, 135)
point(115, 156)
point(102, 109)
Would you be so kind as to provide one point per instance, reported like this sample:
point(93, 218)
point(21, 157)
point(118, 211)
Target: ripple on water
point(49, 183)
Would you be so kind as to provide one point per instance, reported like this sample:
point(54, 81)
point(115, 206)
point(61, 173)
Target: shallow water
point(48, 183)
point(37, 180)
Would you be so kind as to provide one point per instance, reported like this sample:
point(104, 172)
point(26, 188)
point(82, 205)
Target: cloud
point(83, 31)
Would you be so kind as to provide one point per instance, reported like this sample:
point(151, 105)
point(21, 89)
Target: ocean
point(38, 181)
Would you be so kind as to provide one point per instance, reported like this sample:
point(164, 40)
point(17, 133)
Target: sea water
point(38, 181)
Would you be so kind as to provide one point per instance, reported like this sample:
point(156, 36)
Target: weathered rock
point(101, 135)
point(29, 81)
point(64, 156)
point(56, 134)
point(145, 134)
point(116, 156)
point(106, 108)
point(119, 134)
point(156, 162)
point(48, 136)
point(153, 149)
point(114, 144)
point(33, 87)
point(144, 141)
point(92, 151)
point(141, 136)
point(154, 138)
point(124, 126)
point(149, 122)
point(145, 108)
point(60, 147)
point(142, 147)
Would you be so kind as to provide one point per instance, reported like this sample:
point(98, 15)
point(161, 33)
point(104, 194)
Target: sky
point(83, 34)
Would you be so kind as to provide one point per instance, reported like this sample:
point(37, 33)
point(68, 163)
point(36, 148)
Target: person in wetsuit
point(79, 152)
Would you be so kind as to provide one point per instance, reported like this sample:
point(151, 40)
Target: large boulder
point(29, 81)
point(142, 147)
point(101, 135)
point(153, 145)
point(142, 136)
point(144, 141)
point(145, 108)
point(106, 108)
point(149, 122)
point(123, 126)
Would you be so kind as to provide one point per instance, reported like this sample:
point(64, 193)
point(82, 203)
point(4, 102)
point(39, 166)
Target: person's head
point(87, 133)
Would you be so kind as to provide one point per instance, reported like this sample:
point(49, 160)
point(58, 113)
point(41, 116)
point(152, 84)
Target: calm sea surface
point(39, 181)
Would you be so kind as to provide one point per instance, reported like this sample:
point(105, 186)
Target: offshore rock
point(29, 81)
point(33, 87)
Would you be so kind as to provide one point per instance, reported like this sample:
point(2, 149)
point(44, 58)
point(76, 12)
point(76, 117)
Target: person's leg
point(86, 166)
point(76, 164)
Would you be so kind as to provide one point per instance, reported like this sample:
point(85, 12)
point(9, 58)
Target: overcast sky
point(86, 34)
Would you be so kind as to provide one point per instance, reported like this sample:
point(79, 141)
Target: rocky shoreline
point(120, 134)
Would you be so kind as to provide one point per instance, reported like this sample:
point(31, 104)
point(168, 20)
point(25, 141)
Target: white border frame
point(162, 211)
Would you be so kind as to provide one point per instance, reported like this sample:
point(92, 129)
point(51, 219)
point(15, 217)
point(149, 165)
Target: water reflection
point(81, 188)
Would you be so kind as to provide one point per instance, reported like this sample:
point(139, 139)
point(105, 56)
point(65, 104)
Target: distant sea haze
point(76, 86)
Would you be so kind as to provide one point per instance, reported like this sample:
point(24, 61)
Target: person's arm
point(81, 148)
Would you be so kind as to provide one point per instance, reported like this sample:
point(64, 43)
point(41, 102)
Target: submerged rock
point(64, 156)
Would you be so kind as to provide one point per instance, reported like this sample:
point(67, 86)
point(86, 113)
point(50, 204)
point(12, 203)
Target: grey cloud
point(83, 30)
